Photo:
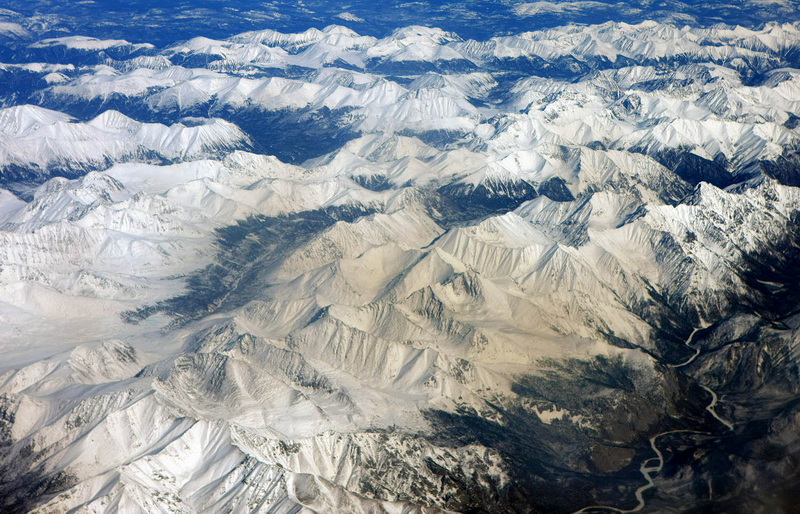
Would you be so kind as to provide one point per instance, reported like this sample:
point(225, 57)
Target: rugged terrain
point(280, 272)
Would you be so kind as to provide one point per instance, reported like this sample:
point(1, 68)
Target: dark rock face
point(556, 189)
point(695, 169)
point(785, 170)
point(458, 203)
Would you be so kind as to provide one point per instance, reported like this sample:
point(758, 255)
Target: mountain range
point(550, 271)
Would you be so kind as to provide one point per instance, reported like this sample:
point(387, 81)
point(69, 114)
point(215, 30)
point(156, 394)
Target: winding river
point(647, 470)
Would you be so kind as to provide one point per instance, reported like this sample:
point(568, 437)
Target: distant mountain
point(549, 271)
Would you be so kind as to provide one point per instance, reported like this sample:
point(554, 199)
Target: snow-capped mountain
point(38, 143)
point(475, 272)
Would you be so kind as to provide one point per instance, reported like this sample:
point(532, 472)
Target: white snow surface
point(346, 337)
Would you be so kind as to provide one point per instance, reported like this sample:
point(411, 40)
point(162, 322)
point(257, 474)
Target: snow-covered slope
point(35, 141)
point(724, 94)
point(558, 260)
